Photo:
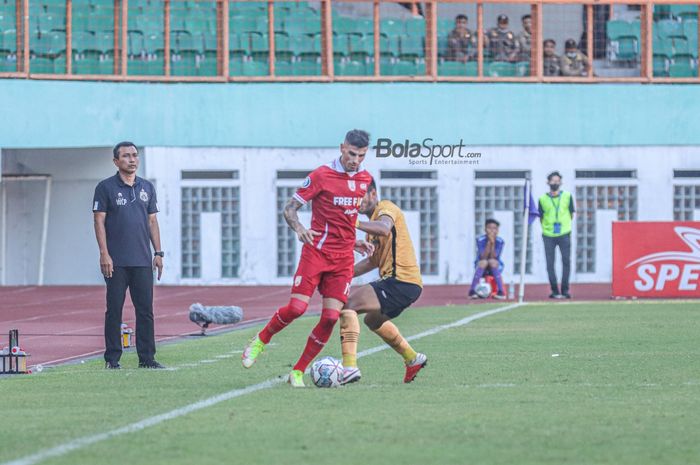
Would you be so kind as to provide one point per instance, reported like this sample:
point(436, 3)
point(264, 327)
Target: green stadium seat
point(7, 64)
point(682, 69)
point(235, 65)
point(135, 43)
point(522, 68)
point(104, 42)
point(388, 46)
point(455, 68)
point(208, 67)
point(308, 48)
point(392, 28)
point(151, 67)
point(209, 42)
point(7, 20)
point(500, 69)
point(240, 24)
point(684, 11)
point(149, 25)
point(341, 45)
point(415, 27)
point(93, 65)
point(617, 29)
point(82, 40)
point(302, 27)
point(41, 65)
point(442, 46)
point(239, 44)
point(352, 68)
point(345, 25)
point(153, 43)
point(9, 41)
point(661, 64)
point(187, 44)
point(101, 20)
point(365, 26)
point(183, 65)
point(255, 68)
point(52, 22)
point(307, 68)
point(627, 49)
point(283, 47)
point(662, 47)
point(411, 47)
point(668, 28)
point(361, 47)
point(690, 29)
point(259, 46)
point(445, 26)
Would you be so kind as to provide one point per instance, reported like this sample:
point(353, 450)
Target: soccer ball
point(327, 372)
point(483, 289)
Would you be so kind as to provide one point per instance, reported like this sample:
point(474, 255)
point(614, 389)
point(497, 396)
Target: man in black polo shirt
point(125, 224)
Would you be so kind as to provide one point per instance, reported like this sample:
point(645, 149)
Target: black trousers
point(139, 281)
point(564, 244)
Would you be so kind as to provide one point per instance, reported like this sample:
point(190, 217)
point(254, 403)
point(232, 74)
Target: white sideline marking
point(79, 443)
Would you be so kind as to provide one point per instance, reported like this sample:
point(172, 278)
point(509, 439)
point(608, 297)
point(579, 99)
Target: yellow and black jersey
point(394, 254)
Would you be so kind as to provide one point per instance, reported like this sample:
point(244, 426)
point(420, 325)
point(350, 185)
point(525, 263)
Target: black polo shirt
point(126, 223)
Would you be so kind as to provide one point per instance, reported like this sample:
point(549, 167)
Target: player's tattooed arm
point(292, 219)
point(381, 227)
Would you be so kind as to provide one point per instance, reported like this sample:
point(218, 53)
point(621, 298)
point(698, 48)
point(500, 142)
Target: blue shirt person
point(489, 249)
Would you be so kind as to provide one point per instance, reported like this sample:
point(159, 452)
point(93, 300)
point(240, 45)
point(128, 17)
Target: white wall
point(72, 252)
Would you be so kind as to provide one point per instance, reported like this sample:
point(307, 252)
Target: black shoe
point(151, 364)
point(554, 296)
point(565, 295)
point(112, 366)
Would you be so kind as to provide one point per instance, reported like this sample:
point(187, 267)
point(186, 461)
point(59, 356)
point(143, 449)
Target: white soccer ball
point(483, 289)
point(327, 372)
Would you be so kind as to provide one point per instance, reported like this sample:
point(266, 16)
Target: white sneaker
point(351, 375)
point(254, 348)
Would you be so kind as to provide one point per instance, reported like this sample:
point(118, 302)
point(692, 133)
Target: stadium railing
point(292, 40)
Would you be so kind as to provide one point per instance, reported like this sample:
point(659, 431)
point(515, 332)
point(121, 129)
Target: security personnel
point(124, 209)
point(461, 43)
point(552, 65)
point(500, 42)
point(556, 215)
point(524, 39)
point(573, 62)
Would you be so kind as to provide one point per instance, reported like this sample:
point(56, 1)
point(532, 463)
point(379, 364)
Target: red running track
point(62, 323)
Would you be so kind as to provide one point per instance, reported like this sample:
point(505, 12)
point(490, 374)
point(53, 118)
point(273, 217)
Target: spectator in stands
point(489, 248)
point(552, 66)
point(524, 38)
point(461, 43)
point(500, 42)
point(573, 62)
point(556, 215)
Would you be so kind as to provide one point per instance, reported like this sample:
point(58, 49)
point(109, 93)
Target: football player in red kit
point(327, 259)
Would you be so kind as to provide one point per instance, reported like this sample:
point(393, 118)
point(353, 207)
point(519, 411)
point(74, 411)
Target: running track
point(62, 323)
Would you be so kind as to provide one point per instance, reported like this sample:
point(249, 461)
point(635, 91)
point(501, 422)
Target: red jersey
point(336, 196)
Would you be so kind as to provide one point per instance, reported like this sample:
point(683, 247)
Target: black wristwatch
point(159, 254)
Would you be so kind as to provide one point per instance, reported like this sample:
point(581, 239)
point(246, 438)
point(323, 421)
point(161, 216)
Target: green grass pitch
point(623, 389)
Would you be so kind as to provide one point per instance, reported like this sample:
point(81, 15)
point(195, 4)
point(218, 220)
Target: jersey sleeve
point(152, 202)
point(390, 210)
point(310, 188)
point(100, 201)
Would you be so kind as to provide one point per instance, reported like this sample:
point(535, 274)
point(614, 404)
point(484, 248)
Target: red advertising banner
point(656, 259)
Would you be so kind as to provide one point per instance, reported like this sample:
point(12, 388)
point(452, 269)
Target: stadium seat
point(209, 42)
point(341, 45)
point(7, 20)
point(668, 28)
point(627, 49)
point(82, 40)
point(41, 65)
point(442, 46)
point(135, 43)
point(7, 64)
point(208, 66)
point(104, 42)
point(361, 47)
point(411, 47)
point(307, 68)
point(59, 64)
point(9, 41)
point(661, 64)
point(402, 68)
point(522, 68)
point(662, 47)
point(294, 25)
point(101, 20)
point(259, 46)
point(690, 29)
point(392, 28)
point(617, 29)
point(153, 43)
point(183, 65)
point(345, 25)
point(283, 47)
point(682, 69)
point(455, 68)
point(52, 22)
point(500, 69)
point(248, 8)
point(352, 68)
point(255, 68)
point(415, 27)
point(307, 48)
point(187, 44)
point(239, 44)
point(93, 65)
point(240, 24)
point(146, 67)
point(684, 11)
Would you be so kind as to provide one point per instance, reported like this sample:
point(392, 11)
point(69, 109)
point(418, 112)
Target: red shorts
point(332, 275)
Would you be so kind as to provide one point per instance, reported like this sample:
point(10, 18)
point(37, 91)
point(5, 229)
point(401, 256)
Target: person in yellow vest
point(399, 286)
point(556, 215)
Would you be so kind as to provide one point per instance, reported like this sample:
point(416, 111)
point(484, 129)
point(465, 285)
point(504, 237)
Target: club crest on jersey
point(363, 186)
point(306, 183)
point(351, 185)
point(143, 195)
point(120, 199)
point(297, 281)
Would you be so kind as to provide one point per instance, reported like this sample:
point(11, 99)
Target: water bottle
point(511, 290)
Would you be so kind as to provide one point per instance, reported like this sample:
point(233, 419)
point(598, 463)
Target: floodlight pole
point(523, 247)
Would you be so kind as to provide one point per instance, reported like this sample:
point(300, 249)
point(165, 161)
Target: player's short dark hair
point(372, 186)
point(552, 174)
point(459, 17)
point(357, 138)
point(491, 221)
point(524, 17)
point(126, 143)
point(549, 41)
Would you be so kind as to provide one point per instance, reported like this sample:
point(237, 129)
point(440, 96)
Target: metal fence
point(350, 40)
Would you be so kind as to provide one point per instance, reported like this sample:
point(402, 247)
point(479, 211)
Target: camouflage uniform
point(461, 45)
point(552, 66)
point(574, 66)
point(501, 44)
point(523, 40)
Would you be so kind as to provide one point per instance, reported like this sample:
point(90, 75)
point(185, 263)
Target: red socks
point(318, 337)
point(282, 317)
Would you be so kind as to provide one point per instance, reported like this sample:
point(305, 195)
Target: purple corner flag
point(533, 211)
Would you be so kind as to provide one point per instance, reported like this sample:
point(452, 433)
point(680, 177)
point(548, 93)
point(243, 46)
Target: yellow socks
point(391, 335)
point(349, 335)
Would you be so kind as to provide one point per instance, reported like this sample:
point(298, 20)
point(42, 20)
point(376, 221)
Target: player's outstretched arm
point(292, 219)
point(381, 227)
point(363, 266)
